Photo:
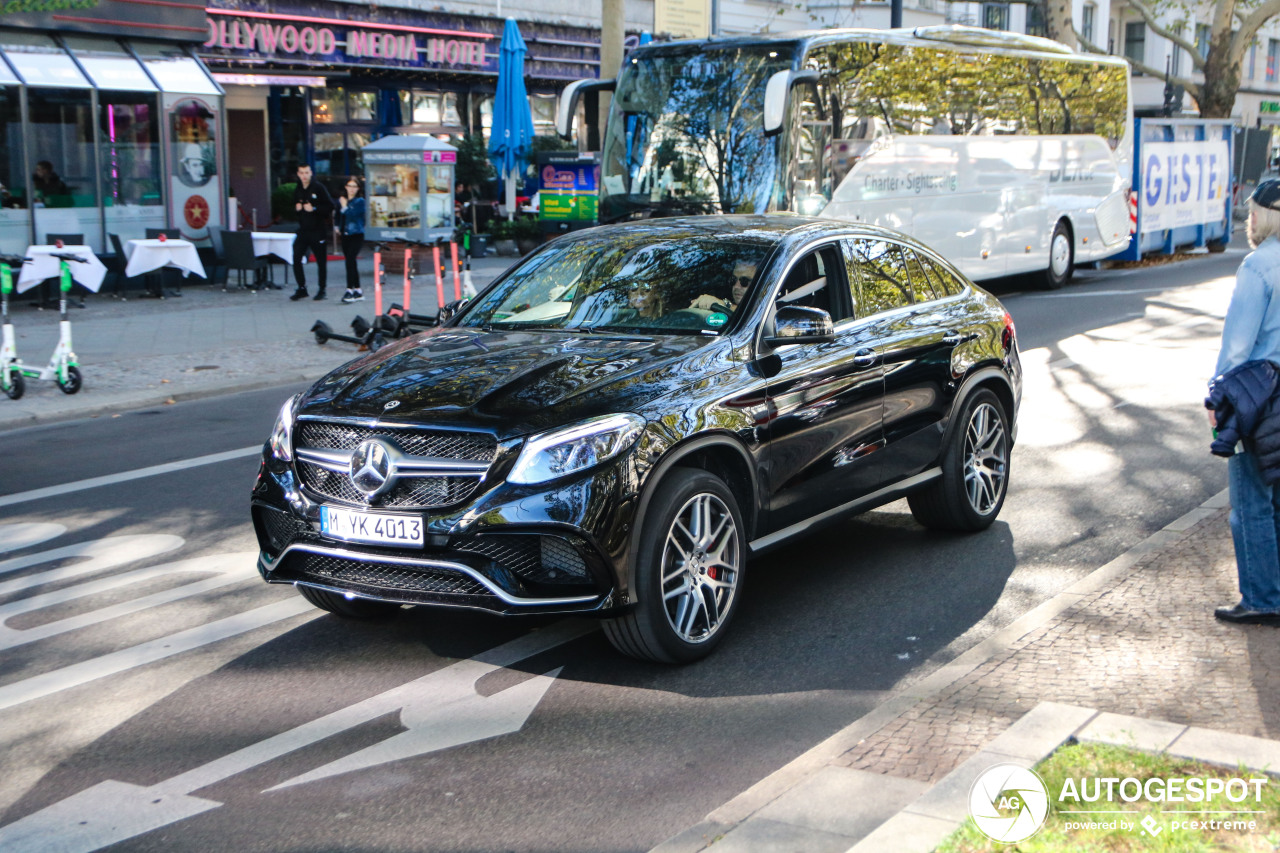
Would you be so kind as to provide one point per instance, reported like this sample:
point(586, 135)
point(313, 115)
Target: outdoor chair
point(239, 256)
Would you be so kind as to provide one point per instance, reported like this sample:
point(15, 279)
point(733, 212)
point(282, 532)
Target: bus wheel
point(1061, 257)
point(1216, 246)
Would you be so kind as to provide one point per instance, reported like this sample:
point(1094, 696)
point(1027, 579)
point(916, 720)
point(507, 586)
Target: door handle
point(865, 357)
point(953, 338)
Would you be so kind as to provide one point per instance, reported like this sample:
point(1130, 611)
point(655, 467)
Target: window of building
point(174, 69)
point(544, 114)
point(1253, 60)
point(1087, 14)
point(1175, 52)
point(1135, 42)
point(1202, 40)
point(995, 16)
point(61, 134)
point(41, 62)
point(13, 183)
point(362, 105)
point(329, 105)
point(434, 108)
point(1035, 21)
point(1273, 60)
point(130, 142)
point(110, 66)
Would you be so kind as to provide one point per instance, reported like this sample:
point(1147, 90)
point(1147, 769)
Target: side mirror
point(795, 324)
point(449, 310)
point(777, 96)
point(569, 102)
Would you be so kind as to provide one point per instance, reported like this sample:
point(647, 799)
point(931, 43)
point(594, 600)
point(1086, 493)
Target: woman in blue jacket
point(351, 217)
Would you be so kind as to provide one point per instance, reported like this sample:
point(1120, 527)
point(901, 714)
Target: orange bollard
point(377, 281)
point(435, 258)
point(408, 279)
point(457, 285)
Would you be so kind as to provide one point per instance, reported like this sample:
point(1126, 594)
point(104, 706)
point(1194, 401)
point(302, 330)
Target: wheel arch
point(989, 378)
point(719, 454)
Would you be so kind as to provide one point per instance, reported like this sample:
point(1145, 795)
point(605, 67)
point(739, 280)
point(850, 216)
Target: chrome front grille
point(329, 478)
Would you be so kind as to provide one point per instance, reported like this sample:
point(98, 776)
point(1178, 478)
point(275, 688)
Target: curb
point(736, 811)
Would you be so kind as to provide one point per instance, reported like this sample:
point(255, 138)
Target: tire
point(975, 470)
point(17, 385)
point(72, 385)
point(694, 539)
point(1062, 257)
point(1216, 247)
point(353, 608)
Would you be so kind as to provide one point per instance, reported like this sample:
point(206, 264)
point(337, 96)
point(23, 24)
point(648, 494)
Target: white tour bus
point(1006, 153)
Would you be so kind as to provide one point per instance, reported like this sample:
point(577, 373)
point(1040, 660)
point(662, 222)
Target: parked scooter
point(12, 382)
point(63, 367)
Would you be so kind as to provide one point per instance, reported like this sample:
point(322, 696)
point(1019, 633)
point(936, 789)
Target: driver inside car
point(743, 273)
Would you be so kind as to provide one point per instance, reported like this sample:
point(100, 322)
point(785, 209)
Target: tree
point(1232, 27)
point(473, 167)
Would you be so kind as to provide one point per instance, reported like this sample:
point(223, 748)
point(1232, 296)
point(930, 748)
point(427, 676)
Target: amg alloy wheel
point(689, 572)
point(975, 470)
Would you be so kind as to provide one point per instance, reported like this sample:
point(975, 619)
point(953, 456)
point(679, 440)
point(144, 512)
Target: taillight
point(1009, 335)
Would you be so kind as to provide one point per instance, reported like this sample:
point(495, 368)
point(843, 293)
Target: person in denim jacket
point(351, 220)
point(1251, 332)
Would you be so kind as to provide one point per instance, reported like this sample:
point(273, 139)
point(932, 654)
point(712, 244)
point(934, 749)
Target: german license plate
point(370, 527)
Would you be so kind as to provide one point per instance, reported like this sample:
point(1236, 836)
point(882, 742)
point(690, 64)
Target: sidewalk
point(1136, 638)
point(144, 352)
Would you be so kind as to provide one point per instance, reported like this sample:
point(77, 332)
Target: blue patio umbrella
point(511, 136)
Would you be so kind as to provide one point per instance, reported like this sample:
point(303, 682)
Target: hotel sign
point(293, 36)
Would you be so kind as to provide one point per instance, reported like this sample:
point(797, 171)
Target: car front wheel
point(975, 470)
point(688, 574)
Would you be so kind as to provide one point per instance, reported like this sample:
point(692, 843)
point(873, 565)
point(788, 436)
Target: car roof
point(770, 228)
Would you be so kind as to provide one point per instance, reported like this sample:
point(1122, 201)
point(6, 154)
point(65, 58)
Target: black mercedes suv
point(617, 423)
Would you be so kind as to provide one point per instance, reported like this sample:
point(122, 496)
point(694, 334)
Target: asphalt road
point(155, 695)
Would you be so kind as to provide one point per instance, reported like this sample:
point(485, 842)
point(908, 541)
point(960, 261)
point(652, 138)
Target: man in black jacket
point(314, 207)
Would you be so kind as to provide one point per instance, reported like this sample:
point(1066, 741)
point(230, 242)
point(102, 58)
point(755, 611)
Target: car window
point(922, 284)
point(812, 282)
point(943, 279)
point(878, 276)
point(638, 282)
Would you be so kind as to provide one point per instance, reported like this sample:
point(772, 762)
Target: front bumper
point(506, 551)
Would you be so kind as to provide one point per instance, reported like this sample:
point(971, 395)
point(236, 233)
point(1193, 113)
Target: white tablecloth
point(43, 265)
point(278, 243)
point(148, 255)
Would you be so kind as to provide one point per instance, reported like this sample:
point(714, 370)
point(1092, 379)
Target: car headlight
point(563, 451)
point(282, 433)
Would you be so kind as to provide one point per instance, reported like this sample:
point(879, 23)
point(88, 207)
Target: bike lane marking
point(126, 476)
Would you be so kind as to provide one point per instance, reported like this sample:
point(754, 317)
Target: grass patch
point(1100, 761)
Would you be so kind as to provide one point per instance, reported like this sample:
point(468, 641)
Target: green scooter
point(63, 367)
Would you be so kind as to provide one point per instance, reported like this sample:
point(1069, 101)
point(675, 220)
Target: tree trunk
point(1057, 22)
point(1221, 79)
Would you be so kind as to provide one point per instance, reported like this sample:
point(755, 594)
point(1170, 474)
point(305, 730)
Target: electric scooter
point(12, 382)
point(63, 367)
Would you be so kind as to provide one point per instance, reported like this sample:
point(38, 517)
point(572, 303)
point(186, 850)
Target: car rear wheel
point(350, 608)
point(689, 571)
point(975, 470)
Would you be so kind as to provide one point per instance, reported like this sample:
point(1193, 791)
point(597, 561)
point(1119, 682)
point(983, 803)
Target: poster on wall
point(195, 186)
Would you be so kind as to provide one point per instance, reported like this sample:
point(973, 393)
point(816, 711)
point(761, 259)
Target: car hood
point(511, 382)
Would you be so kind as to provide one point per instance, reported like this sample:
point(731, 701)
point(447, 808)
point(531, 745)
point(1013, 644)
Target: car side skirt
point(883, 496)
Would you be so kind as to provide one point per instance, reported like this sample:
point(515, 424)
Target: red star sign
point(196, 211)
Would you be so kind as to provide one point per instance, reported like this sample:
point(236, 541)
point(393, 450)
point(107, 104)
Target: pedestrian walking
point(314, 207)
point(1243, 405)
point(351, 219)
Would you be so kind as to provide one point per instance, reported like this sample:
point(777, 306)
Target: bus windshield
point(685, 132)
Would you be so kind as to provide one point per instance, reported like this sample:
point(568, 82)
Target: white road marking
point(49, 683)
point(227, 568)
point(113, 811)
point(14, 537)
point(126, 476)
point(102, 553)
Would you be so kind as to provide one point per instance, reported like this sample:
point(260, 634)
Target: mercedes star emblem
point(391, 405)
point(371, 469)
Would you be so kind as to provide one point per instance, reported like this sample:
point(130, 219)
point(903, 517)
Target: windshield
point(686, 132)
point(653, 284)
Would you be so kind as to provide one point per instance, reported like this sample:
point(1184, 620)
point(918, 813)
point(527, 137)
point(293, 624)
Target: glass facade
point(90, 157)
